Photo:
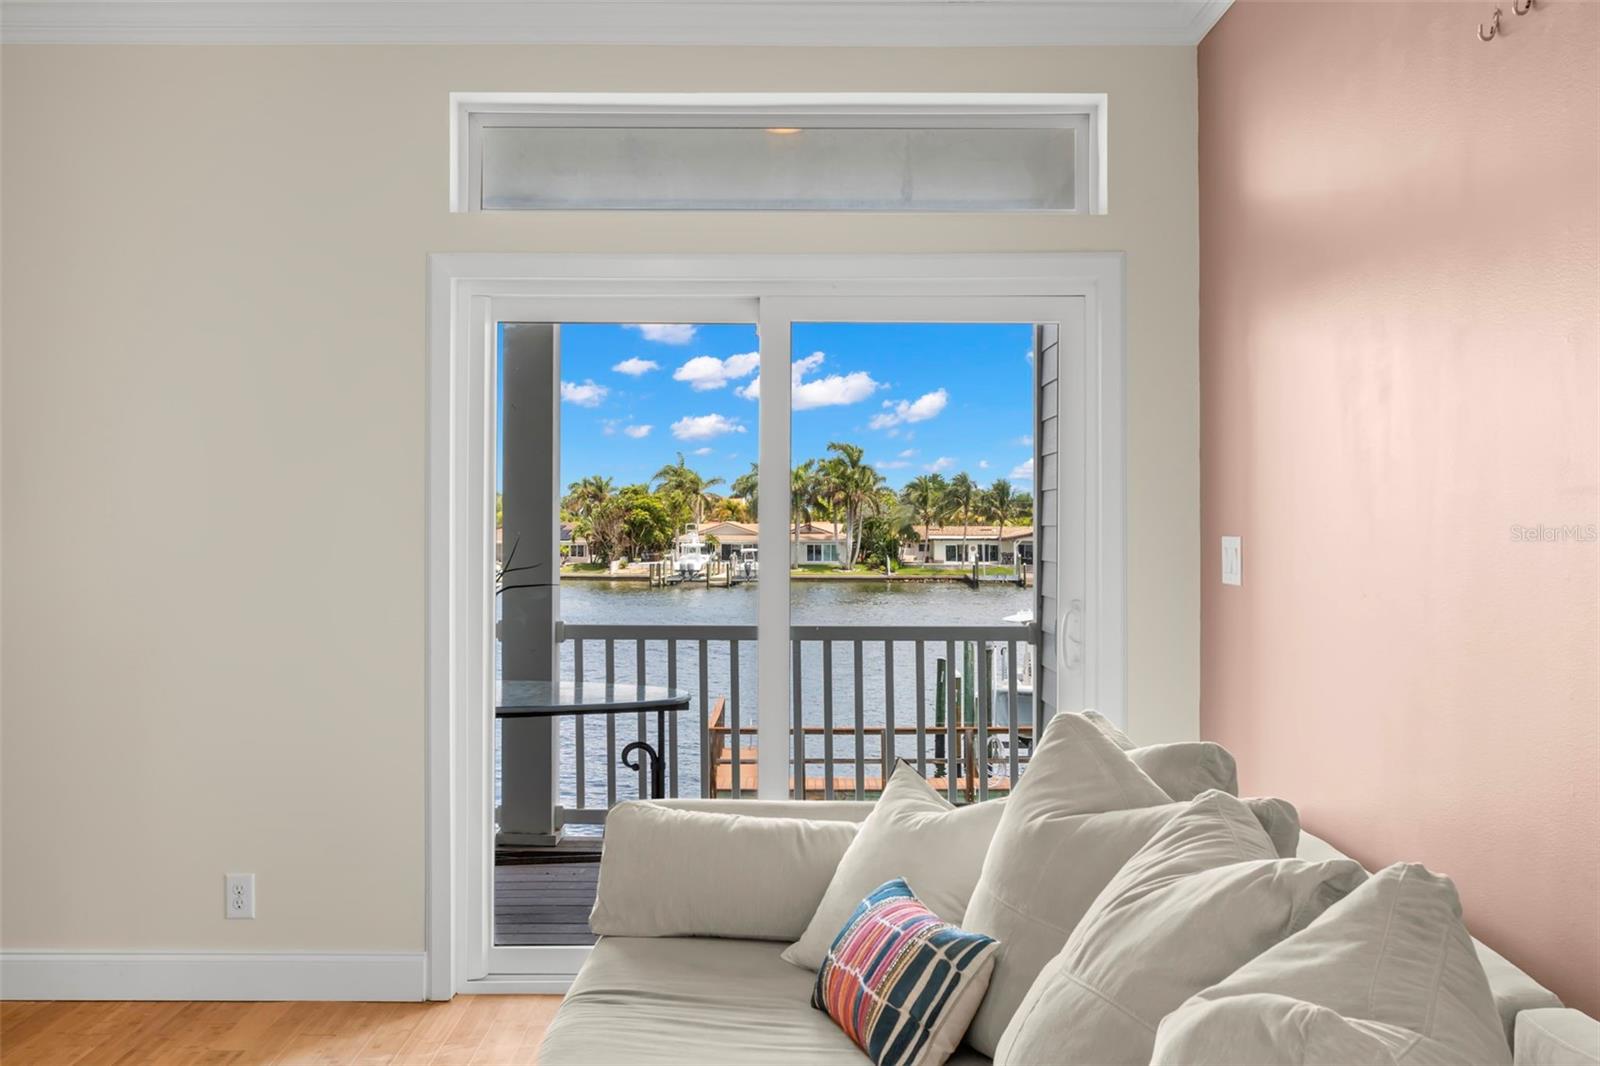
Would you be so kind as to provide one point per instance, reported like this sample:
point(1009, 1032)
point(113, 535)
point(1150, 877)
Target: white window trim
point(463, 290)
point(470, 110)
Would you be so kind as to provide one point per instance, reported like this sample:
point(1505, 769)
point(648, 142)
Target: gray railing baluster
point(1011, 704)
point(984, 705)
point(799, 727)
point(611, 727)
point(672, 721)
point(827, 719)
point(708, 776)
point(887, 748)
point(952, 710)
point(638, 681)
point(578, 722)
point(733, 715)
point(861, 725)
point(922, 709)
point(954, 731)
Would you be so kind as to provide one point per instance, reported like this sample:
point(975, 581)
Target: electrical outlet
point(241, 893)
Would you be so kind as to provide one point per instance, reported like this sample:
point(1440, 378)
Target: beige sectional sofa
point(718, 1000)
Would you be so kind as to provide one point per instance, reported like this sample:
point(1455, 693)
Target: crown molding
point(875, 23)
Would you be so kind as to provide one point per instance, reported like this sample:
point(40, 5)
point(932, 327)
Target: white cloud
point(921, 409)
point(983, 464)
point(1028, 355)
point(891, 464)
point(707, 450)
point(586, 395)
point(704, 427)
point(637, 432)
point(635, 367)
point(940, 465)
point(1026, 440)
point(908, 453)
point(706, 372)
point(666, 332)
point(1022, 471)
point(835, 390)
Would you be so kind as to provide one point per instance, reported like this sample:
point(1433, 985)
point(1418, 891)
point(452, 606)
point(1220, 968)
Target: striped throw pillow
point(902, 982)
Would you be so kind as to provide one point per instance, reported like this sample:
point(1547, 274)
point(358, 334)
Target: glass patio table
point(557, 699)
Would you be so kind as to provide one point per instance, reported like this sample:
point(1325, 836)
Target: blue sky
point(917, 397)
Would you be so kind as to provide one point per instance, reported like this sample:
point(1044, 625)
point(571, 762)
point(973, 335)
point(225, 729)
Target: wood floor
point(491, 1030)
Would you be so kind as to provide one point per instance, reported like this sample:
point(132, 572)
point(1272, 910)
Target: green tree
point(963, 495)
point(646, 524)
point(687, 492)
point(1002, 503)
point(803, 488)
point(584, 494)
point(746, 487)
point(852, 486)
point(928, 497)
point(884, 532)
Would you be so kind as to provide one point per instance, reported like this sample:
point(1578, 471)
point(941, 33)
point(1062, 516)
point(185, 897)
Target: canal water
point(853, 603)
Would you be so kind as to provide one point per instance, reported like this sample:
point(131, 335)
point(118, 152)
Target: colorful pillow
point(902, 982)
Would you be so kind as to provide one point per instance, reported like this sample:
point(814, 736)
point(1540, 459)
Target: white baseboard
point(211, 976)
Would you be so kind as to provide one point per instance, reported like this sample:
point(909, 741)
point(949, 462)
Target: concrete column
point(531, 511)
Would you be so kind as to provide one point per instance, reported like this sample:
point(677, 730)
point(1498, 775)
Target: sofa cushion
point(1513, 990)
point(669, 872)
point(709, 1002)
point(1557, 1037)
point(1182, 769)
point(1205, 895)
point(915, 834)
point(1050, 858)
point(1387, 972)
point(902, 982)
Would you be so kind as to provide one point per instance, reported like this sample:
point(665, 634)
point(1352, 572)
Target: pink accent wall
point(1400, 293)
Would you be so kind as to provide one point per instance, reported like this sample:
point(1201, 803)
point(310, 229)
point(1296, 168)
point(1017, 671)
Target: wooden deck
point(542, 896)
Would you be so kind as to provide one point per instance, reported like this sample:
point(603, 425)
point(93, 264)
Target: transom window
point(779, 152)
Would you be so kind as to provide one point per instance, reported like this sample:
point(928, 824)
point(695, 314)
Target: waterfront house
point(954, 546)
point(810, 543)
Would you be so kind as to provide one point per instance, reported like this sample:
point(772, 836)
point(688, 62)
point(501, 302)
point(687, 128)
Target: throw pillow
point(902, 982)
point(1183, 769)
point(667, 872)
point(1385, 974)
point(1206, 894)
point(1048, 861)
point(913, 833)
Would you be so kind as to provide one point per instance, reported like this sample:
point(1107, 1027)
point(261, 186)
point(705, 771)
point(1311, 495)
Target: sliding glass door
point(848, 531)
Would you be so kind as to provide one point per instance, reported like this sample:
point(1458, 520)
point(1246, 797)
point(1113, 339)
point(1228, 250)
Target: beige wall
point(213, 443)
point(1400, 312)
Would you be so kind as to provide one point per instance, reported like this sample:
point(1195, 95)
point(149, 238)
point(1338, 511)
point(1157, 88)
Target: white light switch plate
point(1232, 561)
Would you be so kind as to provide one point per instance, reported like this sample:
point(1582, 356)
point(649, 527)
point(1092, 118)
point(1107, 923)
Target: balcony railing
point(954, 701)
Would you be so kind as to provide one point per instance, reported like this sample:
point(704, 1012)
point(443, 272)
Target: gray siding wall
point(1046, 440)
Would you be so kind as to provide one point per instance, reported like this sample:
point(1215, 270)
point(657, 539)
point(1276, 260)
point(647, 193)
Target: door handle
point(1070, 637)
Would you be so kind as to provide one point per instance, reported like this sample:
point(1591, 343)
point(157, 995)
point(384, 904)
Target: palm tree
point(852, 486)
point(746, 487)
point(928, 496)
point(583, 496)
point(687, 486)
point(802, 498)
point(1002, 504)
point(963, 496)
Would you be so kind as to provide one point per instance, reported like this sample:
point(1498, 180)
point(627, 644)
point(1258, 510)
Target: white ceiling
point(934, 23)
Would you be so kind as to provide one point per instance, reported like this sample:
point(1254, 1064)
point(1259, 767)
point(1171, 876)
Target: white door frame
point(467, 292)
